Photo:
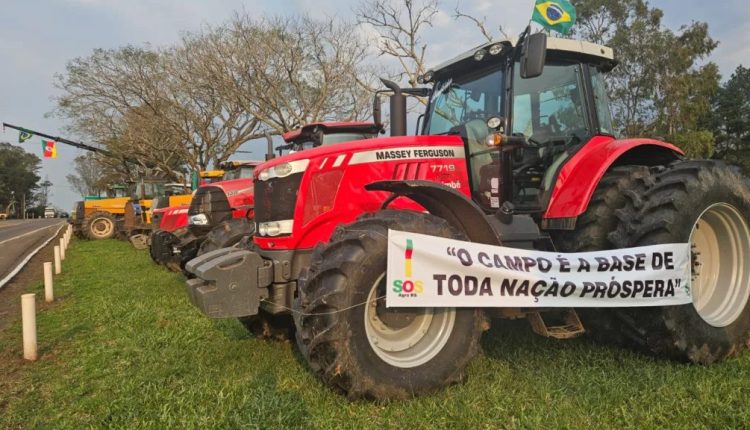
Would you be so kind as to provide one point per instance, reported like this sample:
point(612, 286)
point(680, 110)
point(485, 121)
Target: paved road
point(18, 238)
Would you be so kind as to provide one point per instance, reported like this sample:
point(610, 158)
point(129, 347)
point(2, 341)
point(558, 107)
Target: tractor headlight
point(496, 49)
point(275, 228)
point(426, 78)
point(282, 170)
point(272, 228)
point(479, 55)
point(198, 219)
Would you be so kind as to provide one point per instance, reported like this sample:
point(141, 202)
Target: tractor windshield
point(465, 99)
point(550, 108)
point(241, 172)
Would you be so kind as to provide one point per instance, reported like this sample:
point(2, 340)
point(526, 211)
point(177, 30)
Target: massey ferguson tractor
point(221, 214)
point(516, 149)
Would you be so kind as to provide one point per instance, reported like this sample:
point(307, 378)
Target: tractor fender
point(444, 202)
point(580, 175)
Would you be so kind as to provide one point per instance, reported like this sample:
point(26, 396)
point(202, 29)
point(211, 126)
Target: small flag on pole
point(50, 150)
point(23, 136)
point(557, 15)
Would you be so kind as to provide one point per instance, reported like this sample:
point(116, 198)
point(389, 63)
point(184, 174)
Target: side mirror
point(533, 55)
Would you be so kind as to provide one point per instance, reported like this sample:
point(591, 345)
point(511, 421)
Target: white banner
point(429, 271)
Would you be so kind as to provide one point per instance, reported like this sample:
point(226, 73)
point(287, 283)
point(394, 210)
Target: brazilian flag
point(23, 136)
point(558, 15)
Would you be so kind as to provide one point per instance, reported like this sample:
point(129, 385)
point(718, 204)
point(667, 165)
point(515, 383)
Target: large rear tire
point(353, 343)
point(619, 186)
point(99, 225)
point(706, 204)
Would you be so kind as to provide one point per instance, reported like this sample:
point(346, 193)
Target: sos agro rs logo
point(408, 287)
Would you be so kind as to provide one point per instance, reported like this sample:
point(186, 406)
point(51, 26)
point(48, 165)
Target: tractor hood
point(383, 143)
point(233, 187)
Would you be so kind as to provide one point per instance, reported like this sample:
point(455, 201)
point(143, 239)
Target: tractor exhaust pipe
point(269, 143)
point(398, 108)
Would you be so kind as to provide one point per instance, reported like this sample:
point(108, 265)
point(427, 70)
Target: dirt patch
point(24, 281)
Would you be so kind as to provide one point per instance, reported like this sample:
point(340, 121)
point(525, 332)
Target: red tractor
point(516, 149)
point(174, 241)
point(221, 213)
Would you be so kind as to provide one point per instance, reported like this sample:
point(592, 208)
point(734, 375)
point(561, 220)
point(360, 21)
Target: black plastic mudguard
point(446, 203)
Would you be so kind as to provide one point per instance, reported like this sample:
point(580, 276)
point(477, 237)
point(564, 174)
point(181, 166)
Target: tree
point(193, 104)
point(91, 177)
point(658, 88)
point(399, 25)
point(730, 119)
point(111, 96)
point(18, 176)
point(288, 72)
point(44, 193)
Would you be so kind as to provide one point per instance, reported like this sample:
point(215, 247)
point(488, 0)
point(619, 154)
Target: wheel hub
point(720, 244)
point(101, 227)
point(407, 337)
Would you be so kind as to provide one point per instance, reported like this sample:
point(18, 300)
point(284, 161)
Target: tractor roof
point(574, 48)
point(233, 164)
point(211, 173)
point(331, 128)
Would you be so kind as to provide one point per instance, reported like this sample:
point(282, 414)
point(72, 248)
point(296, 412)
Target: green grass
point(123, 348)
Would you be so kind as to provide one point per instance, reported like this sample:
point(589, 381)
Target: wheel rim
point(405, 338)
point(720, 243)
point(101, 227)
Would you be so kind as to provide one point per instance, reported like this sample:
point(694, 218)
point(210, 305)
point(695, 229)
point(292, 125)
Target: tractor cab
point(117, 191)
point(238, 169)
point(519, 127)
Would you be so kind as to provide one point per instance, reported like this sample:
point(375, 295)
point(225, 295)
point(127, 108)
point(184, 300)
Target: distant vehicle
point(64, 215)
point(49, 212)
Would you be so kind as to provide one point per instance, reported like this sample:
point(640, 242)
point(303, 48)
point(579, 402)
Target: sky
point(38, 37)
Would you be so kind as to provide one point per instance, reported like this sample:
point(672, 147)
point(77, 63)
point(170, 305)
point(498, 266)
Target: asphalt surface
point(18, 238)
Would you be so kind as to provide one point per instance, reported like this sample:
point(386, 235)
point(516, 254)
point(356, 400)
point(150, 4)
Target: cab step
point(568, 324)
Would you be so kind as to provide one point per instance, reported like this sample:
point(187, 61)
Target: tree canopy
point(662, 85)
point(730, 119)
point(193, 104)
point(18, 176)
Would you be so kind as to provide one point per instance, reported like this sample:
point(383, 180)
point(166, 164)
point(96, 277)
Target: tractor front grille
point(212, 202)
point(275, 198)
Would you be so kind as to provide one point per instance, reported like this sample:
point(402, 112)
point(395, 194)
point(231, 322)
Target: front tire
point(355, 344)
point(704, 203)
point(226, 234)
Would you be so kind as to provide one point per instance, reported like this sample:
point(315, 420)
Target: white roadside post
point(58, 269)
point(49, 294)
point(62, 249)
point(28, 319)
